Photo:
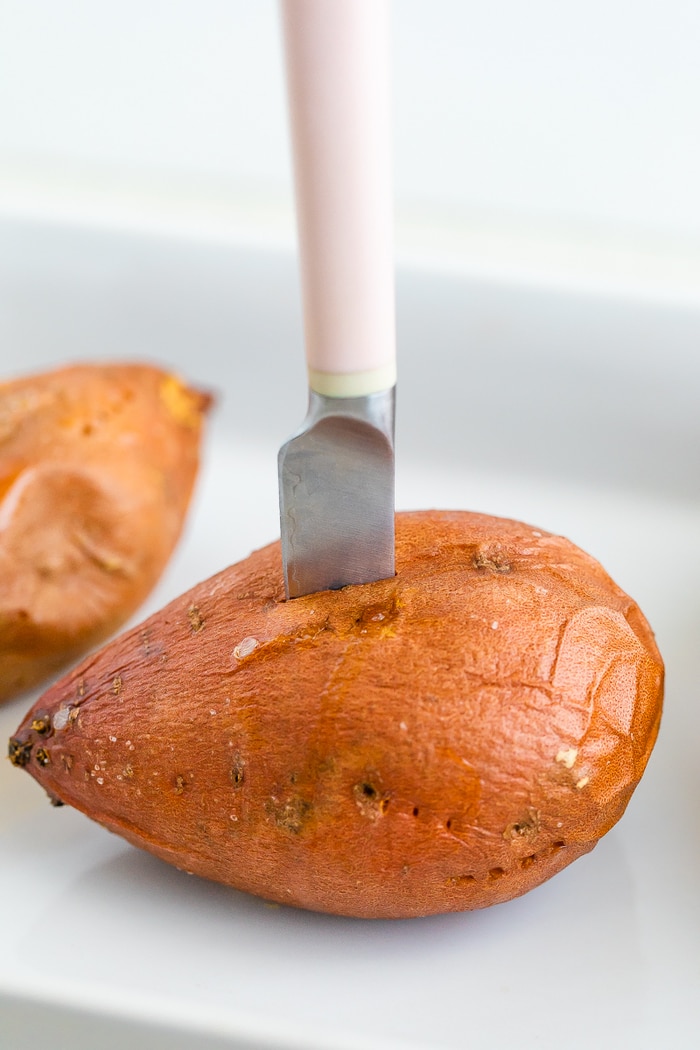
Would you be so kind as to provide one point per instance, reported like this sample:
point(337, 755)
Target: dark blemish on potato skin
point(41, 724)
point(371, 802)
point(42, 756)
point(19, 751)
point(238, 773)
point(498, 873)
point(526, 826)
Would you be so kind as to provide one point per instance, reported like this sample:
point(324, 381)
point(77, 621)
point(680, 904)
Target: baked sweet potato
point(97, 464)
point(443, 740)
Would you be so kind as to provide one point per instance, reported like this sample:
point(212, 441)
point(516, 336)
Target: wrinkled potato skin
point(444, 740)
point(97, 464)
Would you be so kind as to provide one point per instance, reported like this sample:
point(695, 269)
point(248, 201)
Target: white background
point(554, 139)
point(146, 208)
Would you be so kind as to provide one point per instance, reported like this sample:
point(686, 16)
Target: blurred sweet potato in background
point(97, 465)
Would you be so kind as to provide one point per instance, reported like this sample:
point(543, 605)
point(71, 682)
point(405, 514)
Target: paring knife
point(336, 474)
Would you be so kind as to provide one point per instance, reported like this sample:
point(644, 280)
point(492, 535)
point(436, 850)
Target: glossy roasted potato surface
point(97, 464)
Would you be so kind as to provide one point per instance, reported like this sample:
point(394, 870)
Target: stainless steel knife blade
point(336, 478)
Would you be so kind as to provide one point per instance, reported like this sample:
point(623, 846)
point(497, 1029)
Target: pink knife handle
point(338, 82)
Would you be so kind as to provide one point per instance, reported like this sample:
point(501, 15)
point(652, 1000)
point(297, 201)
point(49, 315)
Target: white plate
point(102, 945)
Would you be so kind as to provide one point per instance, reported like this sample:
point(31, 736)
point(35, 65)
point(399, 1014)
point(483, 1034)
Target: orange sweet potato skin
point(444, 740)
point(97, 464)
